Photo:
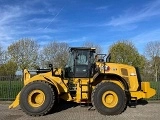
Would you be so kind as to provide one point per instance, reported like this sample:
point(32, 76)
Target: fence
point(11, 85)
point(154, 84)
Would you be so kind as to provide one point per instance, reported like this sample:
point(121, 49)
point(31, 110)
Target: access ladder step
point(84, 92)
point(84, 103)
point(133, 102)
point(83, 84)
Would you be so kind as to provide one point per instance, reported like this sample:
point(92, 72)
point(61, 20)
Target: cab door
point(82, 64)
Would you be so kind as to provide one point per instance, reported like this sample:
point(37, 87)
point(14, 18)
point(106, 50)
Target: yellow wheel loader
point(87, 78)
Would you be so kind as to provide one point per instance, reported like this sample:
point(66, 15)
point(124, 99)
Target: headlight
point(105, 68)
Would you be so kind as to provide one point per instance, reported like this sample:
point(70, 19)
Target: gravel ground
point(71, 111)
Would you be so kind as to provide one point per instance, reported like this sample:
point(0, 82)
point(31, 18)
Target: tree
point(24, 52)
point(125, 52)
point(152, 52)
point(2, 58)
point(90, 44)
point(9, 68)
point(55, 53)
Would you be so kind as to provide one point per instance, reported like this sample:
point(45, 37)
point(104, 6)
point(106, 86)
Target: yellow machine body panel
point(130, 75)
point(48, 77)
point(125, 71)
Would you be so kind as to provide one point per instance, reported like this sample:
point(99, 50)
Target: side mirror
point(50, 65)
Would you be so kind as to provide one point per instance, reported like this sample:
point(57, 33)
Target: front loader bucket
point(15, 102)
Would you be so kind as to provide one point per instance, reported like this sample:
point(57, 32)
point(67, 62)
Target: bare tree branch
point(24, 52)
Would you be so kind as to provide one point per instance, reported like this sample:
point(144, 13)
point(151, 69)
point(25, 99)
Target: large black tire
point(38, 98)
point(109, 98)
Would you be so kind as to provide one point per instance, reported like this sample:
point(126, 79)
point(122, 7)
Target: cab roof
point(82, 48)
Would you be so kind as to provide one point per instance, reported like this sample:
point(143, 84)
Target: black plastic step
point(133, 102)
point(83, 84)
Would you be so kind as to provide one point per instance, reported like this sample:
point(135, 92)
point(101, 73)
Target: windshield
point(82, 58)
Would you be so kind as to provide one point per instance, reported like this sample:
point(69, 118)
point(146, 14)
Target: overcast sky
point(102, 22)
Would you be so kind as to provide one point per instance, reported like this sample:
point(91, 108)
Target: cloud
point(142, 39)
point(41, 20)
point(102, 8)
point(8, 13)
point(72, 42)
point(24, 19)
point(123, 28)
point(78, 40)
point(132, 16)
point(147, 36)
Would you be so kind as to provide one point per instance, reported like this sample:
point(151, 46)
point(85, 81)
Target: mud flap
point(15, 102)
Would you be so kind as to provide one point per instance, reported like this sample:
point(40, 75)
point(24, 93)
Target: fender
point(122, 80)
point(15, 103)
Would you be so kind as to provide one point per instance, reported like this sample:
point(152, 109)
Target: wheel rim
point(110, 99)
point(36, 98)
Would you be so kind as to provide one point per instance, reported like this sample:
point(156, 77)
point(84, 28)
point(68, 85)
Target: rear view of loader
point(108, 86)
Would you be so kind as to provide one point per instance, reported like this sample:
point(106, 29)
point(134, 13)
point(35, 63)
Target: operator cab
point(81, 62)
